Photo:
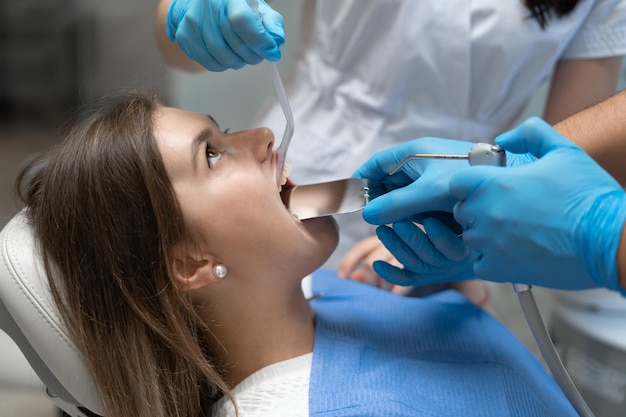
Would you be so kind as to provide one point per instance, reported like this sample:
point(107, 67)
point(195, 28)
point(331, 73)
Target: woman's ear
point(193, 274)
point(193, 269)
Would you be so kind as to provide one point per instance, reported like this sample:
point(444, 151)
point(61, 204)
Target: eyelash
point(212, 155)
point(216, 154)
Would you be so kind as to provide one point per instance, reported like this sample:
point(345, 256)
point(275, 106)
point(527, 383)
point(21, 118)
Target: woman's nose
point(259, 141)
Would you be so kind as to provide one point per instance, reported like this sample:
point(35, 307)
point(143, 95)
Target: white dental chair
point(28, 316)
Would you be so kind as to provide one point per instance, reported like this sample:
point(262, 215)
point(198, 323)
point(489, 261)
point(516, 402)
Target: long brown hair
point(106, 217)
point(542, 10)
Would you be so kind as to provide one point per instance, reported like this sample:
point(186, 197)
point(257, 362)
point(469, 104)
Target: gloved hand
point(223, 34)
point(420, 188)
point(555, 222)
point(437, 256)
point(420, 185)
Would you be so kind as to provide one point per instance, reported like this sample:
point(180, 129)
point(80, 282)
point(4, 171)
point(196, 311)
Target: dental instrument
point(284, 103)
point(479, 154)
point(328, 198)
point(494, 155)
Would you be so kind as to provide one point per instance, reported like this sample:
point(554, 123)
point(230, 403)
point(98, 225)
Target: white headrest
point(28, 315)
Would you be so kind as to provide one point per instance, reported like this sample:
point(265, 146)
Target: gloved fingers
point(380, 186)
point(469, 219)
point(484, 268)
point(402, 277)
point(446, 218)
point(232, 52)
point(244, 24)
point(461, 215)
point(274, 23)
point(472, 239)
point(465, 181)
point(225, 34)
point(387, 184)
point(519, 159)
point(193, 26)
point(388, 208)
point(378, 166)
point(221, 58)
point(205, 45)
point(402, 203)
point(406, 252)
point(238, 53)
point(535, 136)
point(175, 15)
point(190, 47)
point(445, 240)
point(421, 247)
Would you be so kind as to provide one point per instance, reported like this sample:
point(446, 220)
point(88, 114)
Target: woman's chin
point(325, 231)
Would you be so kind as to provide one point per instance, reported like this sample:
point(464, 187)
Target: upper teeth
point(286, 172)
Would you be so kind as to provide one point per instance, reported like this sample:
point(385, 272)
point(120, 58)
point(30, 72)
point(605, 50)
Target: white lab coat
point(374, 73)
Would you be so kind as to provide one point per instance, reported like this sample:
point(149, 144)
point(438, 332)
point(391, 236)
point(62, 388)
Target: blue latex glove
point(437, 256)
point(420, 191)
point(555, 222)
point(421, 185)
point(223, 34)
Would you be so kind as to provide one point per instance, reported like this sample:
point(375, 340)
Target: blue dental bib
point(380, 354)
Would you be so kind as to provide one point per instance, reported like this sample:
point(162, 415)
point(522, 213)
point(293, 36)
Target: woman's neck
point(257, 329)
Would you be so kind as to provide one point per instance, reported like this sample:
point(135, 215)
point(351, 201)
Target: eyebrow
point(198, 140)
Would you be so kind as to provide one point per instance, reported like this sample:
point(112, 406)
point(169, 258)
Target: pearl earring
point(220, 271)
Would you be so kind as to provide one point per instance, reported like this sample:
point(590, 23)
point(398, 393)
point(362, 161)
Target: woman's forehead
point(174, 116)
point(178, 127)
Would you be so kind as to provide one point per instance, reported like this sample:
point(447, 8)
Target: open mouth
point(285, 192)
point(286, 186)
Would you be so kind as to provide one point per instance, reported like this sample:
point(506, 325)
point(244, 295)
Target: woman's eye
point(212, 156)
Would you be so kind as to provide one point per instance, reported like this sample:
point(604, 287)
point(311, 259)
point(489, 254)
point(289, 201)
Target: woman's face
point(226, 185)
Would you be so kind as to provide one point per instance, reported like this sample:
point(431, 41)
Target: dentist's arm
point(601, 131)
point(218, 34)
point(577, 84)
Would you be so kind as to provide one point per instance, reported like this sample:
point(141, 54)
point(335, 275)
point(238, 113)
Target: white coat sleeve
point(603, 34)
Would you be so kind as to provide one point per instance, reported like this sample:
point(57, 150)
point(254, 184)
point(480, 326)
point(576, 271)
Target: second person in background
point(370, 74)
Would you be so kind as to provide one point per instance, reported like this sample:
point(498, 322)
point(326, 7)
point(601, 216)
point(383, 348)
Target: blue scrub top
point(380, 354)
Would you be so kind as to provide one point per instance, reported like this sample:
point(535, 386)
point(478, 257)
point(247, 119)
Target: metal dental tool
point(329, 198)
point(479, 154)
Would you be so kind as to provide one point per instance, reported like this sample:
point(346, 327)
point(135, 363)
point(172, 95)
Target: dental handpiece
point(284, 104)
point(479, 154)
